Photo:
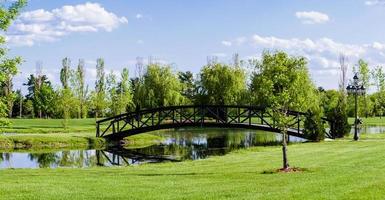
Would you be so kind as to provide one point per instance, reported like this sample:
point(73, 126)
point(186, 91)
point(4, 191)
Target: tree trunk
point(284, 151)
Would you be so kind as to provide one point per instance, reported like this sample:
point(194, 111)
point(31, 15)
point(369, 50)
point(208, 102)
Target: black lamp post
point(355, 89)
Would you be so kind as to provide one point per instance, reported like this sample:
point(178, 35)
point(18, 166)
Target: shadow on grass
point(290, 170)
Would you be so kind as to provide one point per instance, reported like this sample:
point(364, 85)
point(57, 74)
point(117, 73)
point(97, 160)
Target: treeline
point(157, 85)
point(371, 104)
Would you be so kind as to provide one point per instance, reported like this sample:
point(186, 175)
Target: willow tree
point(8, 66)
point(281, 83)
point(222, 84)
point(161, 87)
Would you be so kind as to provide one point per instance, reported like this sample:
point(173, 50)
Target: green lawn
point(335, 170)
point(50, 126)
point(373, 121)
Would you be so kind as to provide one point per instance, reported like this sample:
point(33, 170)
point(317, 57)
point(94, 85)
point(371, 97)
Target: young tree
point(187, 80)
point(99, 97)
point(113, 97)
point(67, 101)
point(363, 69)
point(125, 102)
point(65, 72)
point(80, 89)
point(8, 66)
point(282, 83)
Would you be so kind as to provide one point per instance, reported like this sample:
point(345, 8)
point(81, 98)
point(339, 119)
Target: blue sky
point(184, 33)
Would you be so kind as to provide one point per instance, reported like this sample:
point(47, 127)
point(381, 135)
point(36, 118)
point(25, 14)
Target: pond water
point(179, 145)
point(370, 129)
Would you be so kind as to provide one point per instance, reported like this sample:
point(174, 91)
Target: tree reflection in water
point(189, 145)
point(179, 145)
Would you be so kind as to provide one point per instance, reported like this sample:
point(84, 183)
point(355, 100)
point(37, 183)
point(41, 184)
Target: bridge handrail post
point(202, 116)
point(97, 129)
point(249, 116)
point(298, 121)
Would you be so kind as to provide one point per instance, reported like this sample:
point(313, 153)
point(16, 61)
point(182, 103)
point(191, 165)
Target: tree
point(378, 77)
point(8, 66)
point(338, 118)
point(222, 84)
point(161, 87)
point(125, 102)
point(343, 70)
point(42, 95)
point(363, 69)
point(113, 97)
point(188, 86)
point(80, 89)
point(99, 97)
point(65, 72)
point(281, 83)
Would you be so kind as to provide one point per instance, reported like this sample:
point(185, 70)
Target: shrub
point(338, 120)
point(313, 126)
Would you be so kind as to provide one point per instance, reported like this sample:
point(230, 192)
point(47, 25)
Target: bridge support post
point(97, 130)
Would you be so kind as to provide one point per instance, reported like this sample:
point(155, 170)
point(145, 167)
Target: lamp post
point(356, 89)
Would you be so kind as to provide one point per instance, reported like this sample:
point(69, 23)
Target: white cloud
point(46, 26)
point(138, 16)
point(375, 2)
point(312, 17)
point(306, 46)
point(226, 43)
point(322, 54)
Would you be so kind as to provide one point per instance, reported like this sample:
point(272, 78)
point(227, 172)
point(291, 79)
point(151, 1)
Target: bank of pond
point(159, 146)
point(84, 150)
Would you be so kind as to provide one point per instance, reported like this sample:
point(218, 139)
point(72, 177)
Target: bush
point(313, 126)
point(338, 120)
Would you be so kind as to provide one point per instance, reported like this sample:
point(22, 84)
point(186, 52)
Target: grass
point(50, 141)
point(50, 126)
point(371, 121)
point(333, 170)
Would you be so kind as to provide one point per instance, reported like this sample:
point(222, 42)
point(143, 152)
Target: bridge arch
point(222, 116)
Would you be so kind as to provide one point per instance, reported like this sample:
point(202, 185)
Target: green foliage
point(222, 84)
point(99, 96)
point(160, 87)
point(188, 85)
point(42, 95)
point(80, 90)
point(363, 69)
point(338, 117)
point(125, 100)
point(313, 126)
point(65, 72)
point(66, 103)
point(8, 66)
point(281, 81)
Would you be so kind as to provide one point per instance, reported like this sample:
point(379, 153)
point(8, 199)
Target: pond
point(369, 129)
point(179, 145)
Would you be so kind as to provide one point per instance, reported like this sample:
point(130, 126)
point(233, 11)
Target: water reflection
point(179, 145)
point(372, 129)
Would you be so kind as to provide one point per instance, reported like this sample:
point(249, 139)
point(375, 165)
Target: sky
point(185, 33)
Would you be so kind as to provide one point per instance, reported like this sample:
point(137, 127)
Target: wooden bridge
point(223, 116)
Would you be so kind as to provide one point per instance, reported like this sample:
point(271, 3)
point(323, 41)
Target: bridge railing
point(194, 115)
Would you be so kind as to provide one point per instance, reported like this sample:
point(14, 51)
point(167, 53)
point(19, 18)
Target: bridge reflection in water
point(190, 144)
